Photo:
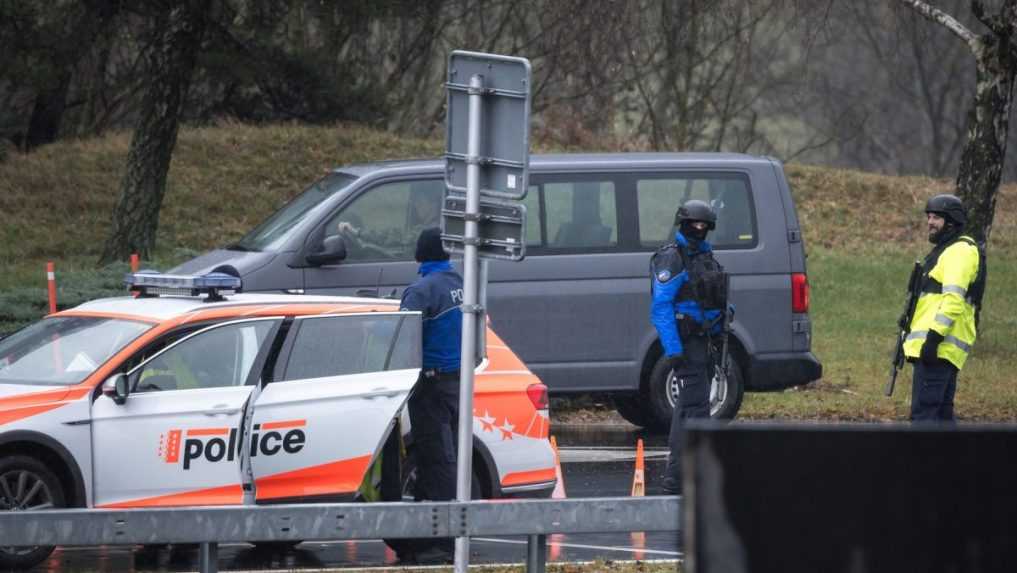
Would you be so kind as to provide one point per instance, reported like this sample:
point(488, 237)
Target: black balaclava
point(694, 236)
point(429, 247)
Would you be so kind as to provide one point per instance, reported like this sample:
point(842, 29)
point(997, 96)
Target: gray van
point(576, 309)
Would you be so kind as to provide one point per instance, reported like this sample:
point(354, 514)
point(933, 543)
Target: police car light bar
point(214, 285)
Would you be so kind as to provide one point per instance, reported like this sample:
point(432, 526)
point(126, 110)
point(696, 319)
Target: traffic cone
point(559, 486)
point(639, 490)
point(639, 479)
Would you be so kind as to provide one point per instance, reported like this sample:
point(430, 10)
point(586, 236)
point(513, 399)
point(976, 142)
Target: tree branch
point(936, 15)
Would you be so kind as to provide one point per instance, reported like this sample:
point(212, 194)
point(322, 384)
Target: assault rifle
point(903, 323)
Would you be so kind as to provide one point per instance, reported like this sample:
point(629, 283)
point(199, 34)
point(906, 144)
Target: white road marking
point(587, 455)
point(582, 546)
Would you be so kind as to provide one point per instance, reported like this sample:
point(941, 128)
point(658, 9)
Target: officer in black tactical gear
point(684, 274)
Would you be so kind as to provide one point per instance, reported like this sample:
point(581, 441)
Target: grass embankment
point(861, 233)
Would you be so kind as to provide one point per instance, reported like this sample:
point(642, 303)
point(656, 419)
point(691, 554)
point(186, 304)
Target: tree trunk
point(171, 62)
point(981, 165)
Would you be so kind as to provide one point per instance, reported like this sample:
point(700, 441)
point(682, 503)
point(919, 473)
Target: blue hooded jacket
point(667, 283)
point(438, 294)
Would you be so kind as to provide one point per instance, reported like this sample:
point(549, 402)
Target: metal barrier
point(210, 526)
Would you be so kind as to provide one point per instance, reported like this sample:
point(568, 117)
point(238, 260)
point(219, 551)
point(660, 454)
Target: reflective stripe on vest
point(948, 338)
point(944, 320)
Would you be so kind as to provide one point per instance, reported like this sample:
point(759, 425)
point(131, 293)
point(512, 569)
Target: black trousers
point(693, 402)
point(434, 425)
point(932, 389)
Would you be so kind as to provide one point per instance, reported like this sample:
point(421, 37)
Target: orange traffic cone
point(559, 486)
point(639, 479)
point(639, 490)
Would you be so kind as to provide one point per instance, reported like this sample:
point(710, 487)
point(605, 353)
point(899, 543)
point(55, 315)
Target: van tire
point(663, 395)
point(36, 475)
point(632, 407)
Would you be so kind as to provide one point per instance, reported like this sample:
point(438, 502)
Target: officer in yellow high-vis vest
point(942, 330)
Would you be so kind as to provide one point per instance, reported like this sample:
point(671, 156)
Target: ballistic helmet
point(696, 210)
point(948, 207)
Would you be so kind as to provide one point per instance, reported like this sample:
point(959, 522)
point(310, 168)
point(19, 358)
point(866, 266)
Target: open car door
point(339, 382)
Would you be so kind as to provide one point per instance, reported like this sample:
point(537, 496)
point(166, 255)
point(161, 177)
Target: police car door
point(337, 385)
point(176, 439)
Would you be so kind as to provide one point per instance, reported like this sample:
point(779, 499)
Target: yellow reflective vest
point(945, 304)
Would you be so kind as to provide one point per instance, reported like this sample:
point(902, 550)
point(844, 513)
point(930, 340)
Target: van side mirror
point(116, 388)
point(333, 250)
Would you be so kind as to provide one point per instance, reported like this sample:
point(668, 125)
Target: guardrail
point(210, 526)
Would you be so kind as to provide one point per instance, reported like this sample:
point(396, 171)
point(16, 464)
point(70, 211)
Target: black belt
point(434, 374)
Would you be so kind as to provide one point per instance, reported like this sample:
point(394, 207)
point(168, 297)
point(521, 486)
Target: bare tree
point(995, 53)
point(178, 29)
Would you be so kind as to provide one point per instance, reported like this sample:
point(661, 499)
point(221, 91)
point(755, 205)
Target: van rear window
point(659, 198)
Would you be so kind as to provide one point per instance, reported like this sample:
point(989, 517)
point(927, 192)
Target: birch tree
point(995, 54)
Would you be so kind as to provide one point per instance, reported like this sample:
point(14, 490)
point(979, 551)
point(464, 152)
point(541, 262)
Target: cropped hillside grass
point(862, 231)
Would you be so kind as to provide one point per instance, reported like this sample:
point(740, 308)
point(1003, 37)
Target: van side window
point(534, 215)
point(383, 223)
point(660, 196)
point(580, 214)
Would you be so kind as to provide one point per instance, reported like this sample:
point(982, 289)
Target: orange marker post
point(51, 284)
point(639, 479)
point(135, 262)
point(559, 486)
point(639, 490)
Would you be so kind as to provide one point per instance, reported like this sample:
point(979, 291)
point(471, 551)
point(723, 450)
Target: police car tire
point(409, 468)
point(23, 558)
point(659, 405)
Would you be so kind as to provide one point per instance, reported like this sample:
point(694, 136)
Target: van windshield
point(274, 231)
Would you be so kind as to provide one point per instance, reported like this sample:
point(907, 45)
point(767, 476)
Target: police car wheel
point(663, 390)
point(409, 480)
point(26, 484)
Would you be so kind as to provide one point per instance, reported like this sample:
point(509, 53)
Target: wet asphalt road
point(596, 462)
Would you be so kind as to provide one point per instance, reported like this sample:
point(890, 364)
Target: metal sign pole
point(482, 315)
point(471, 310)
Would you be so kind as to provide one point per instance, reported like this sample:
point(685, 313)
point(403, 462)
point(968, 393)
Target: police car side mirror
point(333, 250)
point(116, 388)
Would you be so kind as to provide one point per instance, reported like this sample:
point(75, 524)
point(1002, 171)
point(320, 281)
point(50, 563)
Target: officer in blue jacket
point(679, 272)
point(434, 405)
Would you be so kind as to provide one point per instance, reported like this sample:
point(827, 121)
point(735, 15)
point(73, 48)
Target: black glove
point(932, 340)
point(676, 361)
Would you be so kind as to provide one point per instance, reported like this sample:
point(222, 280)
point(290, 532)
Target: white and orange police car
point(203, 399)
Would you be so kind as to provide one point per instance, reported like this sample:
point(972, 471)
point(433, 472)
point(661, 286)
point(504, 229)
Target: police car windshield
point(274, 231)
point(63, 350)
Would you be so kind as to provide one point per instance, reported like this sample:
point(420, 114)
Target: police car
point(189, 394)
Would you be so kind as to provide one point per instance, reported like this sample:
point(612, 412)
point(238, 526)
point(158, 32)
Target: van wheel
point(632, 407)
point(725, 399)
point(27, 485)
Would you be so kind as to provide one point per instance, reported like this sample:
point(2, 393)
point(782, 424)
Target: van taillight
point(537, 393)
point(799, 292)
